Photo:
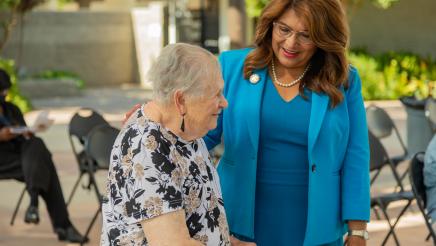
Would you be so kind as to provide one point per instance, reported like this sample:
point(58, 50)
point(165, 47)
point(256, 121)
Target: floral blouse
point(154, 172)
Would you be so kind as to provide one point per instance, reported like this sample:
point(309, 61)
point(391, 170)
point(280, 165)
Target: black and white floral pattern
point(154, 172)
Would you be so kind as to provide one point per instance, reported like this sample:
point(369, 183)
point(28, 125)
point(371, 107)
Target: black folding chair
point(17, 206)
point(430, 113)
point(98, 147)
point(378, 160)
point(417, 182)
point(82, 122)
point(381, 126)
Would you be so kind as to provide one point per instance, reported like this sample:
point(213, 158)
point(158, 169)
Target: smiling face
point(291, 52)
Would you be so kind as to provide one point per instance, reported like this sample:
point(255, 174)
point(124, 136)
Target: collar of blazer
point(257, 81)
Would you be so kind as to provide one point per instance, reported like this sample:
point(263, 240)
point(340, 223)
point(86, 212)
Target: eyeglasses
point(286, 32)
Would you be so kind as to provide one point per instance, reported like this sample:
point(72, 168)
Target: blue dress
point(282, 171)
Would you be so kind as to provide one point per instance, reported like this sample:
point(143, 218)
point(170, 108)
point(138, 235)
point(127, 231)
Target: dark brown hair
point(328, 29)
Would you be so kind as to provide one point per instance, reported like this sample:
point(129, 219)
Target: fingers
point(130, 112)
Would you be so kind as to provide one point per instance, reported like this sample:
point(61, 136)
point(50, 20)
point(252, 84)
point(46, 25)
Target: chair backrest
point(381, 125)
point(416, 177)
point(83, 121)
point(379, 159)
point(98, 145)
point(430, 112)
point(379, 122)
point(378, 156)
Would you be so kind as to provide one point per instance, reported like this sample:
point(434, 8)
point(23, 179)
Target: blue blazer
point(338, 153)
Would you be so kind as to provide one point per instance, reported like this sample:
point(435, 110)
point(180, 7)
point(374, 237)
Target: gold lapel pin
point(254, 78)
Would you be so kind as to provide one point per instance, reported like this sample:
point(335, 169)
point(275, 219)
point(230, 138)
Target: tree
point(11, 11)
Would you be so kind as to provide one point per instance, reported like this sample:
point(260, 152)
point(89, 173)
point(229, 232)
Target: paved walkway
point(113, 102)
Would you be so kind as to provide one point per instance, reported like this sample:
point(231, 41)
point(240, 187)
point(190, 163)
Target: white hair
point(183, 67)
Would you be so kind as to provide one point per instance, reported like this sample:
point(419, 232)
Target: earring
point(182, 126)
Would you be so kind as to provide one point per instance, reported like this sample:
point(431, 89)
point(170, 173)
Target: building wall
point(409, 25)
point(98, 46)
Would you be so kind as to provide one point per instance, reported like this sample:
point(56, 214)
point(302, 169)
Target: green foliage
point(384, 4)
point(14, 95)
point(7, 4)
point(49, 74)
point(393, 75)
point(254, 7)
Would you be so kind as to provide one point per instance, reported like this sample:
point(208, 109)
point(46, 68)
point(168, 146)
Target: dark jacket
point(10, 166)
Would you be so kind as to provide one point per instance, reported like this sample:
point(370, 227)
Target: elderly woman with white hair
point(162, 188)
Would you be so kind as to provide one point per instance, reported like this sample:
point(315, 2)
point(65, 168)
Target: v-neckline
point(276, 91)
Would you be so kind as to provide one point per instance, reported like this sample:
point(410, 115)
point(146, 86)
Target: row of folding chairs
point(91, 138)
point(381, 126)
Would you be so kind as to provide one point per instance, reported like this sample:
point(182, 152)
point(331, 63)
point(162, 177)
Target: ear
point(180, 102)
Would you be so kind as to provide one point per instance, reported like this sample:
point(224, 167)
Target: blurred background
point(67, 54)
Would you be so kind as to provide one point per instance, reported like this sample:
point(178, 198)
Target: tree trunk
point(7, 28)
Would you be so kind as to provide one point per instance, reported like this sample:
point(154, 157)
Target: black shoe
point(71, 235)
point(32, 215)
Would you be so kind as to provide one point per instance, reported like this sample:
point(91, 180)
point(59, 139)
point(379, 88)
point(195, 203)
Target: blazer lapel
point(254, 100)
point(320, 103)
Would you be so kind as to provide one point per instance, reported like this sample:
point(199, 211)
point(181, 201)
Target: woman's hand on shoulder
point(236, 242)
point(130, 112)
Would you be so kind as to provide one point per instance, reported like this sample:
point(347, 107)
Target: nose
point(223, 102)
point(291, 41)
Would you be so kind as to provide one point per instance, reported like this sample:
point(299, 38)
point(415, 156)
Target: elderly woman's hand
point(236, 242)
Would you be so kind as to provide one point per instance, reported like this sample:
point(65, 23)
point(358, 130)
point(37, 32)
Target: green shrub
point(49, 74)
point(394, 75)
point(14, 95)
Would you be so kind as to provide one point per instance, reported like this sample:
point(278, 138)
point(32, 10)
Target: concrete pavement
point(113, 103)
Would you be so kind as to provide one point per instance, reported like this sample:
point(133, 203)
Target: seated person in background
point(430, 180)
point(26, 158)
point(162, 187)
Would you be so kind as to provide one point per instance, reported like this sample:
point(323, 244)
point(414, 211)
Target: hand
point(355, 241)
point(6, 134)
point(41, 127)
point(130, 112)
point(236, 242)
point(28, 134)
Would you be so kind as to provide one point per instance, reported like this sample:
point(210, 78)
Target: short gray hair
point(182, 67)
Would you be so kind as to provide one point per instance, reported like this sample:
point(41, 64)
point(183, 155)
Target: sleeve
point(18, 115)
point(355, 174)
point(155, 186)
point(213, 137)
point(430, 164)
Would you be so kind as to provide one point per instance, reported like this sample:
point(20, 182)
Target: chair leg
point(17, 206)
point(94, 218)
point(392, 226)
point(74, 189)
point(376, 214)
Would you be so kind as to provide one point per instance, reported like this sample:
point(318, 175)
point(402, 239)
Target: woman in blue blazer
point(295, 170)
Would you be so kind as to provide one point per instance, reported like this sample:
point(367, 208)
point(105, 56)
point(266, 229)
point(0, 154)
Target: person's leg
point(41, 176)
point(54, 200)
point(35, 162)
